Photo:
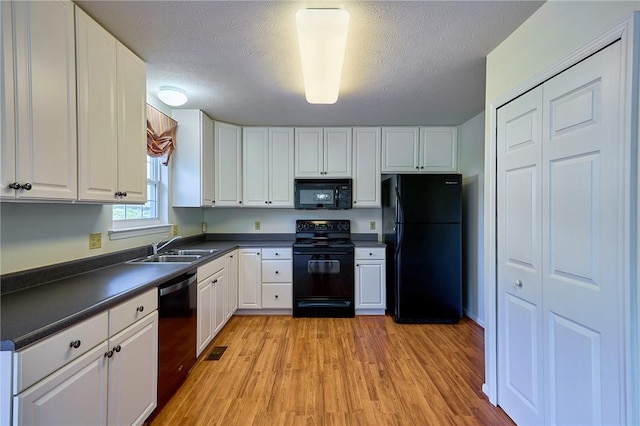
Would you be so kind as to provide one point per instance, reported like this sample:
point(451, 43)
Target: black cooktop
point(323, 233)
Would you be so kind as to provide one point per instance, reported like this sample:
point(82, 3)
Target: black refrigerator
point(422, 228)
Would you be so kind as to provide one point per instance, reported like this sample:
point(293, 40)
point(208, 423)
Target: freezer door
point(433, 198)
point(428, 273)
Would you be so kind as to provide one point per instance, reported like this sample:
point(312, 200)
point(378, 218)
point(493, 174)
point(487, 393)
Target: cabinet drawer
point(278, 296)
point(276, 271)
point(276, 253)
point(48, 355)
point(364, 253)
point(210, 268)
point(125, 314)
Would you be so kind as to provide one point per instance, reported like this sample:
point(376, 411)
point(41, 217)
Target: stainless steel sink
point(167, 258)
point(188, 252)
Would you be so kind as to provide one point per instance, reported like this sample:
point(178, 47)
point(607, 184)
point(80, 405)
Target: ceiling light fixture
point(172, 96)
point(322, 36)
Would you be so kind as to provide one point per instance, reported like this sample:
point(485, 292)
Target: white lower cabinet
point(219, 301)
point(133, 372)
point(74, 395)
point(205, 312)
point(265, 279)
point(209, 275)
point(370, 291)
point(217, 289)
point(91, 373)
point(231, 283)
point(250, 279)
point(277, 278)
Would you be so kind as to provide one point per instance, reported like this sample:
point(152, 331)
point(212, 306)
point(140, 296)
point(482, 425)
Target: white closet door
point(520, 388)
point(583, 181)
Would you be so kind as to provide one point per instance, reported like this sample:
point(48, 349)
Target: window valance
point(161, 134)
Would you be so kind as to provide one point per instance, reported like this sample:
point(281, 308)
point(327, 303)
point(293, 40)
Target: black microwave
point(330, 194)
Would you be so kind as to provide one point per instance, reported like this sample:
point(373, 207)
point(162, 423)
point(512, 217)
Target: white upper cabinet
point(400, 147)
point(323, 152)
point(44, 144)
point(438, 149)
point(366, 166)
point(111, 84)
point(419, 149)
point(228, 165)
point(268, 167)
point(132, 127)
point(7, 105)
point(192, 166)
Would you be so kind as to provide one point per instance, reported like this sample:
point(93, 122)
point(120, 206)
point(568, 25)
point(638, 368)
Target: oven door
point(323, 282)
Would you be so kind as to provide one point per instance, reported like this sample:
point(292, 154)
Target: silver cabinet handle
point(518, 283)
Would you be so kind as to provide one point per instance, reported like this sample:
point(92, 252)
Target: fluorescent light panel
point(322, 36)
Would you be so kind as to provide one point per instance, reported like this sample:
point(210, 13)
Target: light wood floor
point(280, 370)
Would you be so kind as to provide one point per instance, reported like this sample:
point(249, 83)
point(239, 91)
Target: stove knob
point(305, 226)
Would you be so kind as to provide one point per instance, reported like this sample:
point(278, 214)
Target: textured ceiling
point(407, 62)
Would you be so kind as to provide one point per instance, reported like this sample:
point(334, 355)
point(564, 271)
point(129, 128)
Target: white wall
point(556, 29)
point(471, 165)
point(241, 220)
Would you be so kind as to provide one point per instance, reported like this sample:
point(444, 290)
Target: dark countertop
point(33, 313)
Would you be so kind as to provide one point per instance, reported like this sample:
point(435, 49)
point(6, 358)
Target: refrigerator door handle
point(399, 234)
point(400, 214)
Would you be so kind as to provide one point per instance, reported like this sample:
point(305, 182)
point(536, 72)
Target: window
point(132, 220)
point(149, 210)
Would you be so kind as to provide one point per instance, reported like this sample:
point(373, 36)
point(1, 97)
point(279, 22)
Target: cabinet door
point(255, 155)
point(438, 149)
point(249, 279)
point(76, 394)
point(133, 372)
point(228, 165)
point(132, 126)
point(366, 167)
point(97, 118)
point(7, 104)
point(280, 167)
point(370, 288)
point(205, 315)
point(207, 161)
point(45, 82)
point(337, 152)
point(400, 149)
point(231, 280)
point(309, 151)
point(219, 301)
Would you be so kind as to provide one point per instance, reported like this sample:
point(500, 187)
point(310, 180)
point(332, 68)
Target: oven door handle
point(317, 252)
point(178, 286)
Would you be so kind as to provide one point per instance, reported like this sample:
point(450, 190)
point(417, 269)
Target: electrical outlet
point(256, 225)
point(95, 241)
point(204, 227)
point(175, 229)
point(372, 225)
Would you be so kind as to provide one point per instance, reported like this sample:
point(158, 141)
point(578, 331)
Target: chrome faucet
point(157, 246)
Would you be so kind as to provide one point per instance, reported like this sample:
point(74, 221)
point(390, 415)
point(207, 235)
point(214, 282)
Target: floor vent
point(216, 353)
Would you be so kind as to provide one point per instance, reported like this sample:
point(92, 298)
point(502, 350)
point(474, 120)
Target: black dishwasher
point(177, 304)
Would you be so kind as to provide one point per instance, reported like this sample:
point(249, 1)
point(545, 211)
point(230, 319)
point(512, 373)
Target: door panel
point(520, 384)
point(575, 383)
point(582, 238)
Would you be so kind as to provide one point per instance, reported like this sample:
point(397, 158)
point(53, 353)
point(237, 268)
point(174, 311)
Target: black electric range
point(323, 269)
